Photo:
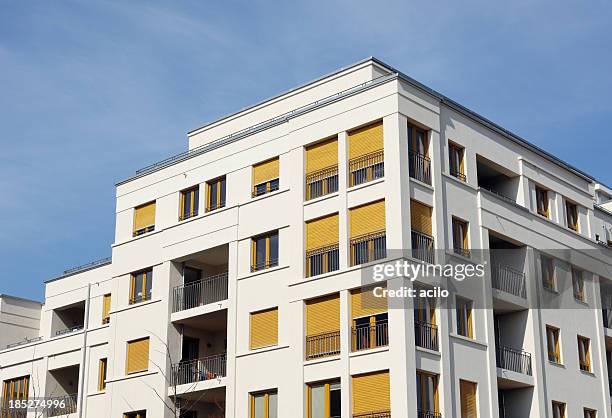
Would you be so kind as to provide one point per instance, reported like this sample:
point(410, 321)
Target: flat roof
point(5, 296)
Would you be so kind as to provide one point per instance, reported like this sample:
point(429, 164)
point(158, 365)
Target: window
point(425, 328)
point(542, 201)
point(189, 203)
point(264, 328)
point(144, 219)
point(427, 394)
point(265, 177)
point(15, 389)
point(366, 154)
point(464, 318)
point(578, 284)
point(139, 414)
point(548, 272)
point(421, 232)
point(456, 164)
point(140, 287)
point(460, 237)
point(371, 395)
point(558, 409)
point(370, 319)
point(323, 327)
point(322, 168)
point(418, 154)
point(264, 404)
point(467, 393)
point(590, 413)
point(323, 400)
point(571, 212)
point(584, 354)
point(322, 251)
point(552, 341)
point(102, 374)
point(368, 236)
point(216, 194)
point(137, 356)
point(264, 251)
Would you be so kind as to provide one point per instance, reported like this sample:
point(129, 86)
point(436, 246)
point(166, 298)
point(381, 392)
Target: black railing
point(24, 341)
point(370, 335)
point(428, 414)
point(202, 292)
point(265, 187)
point(422, 247)
point(514, 360)
point(458, 175)
point(140, 298)
point(509, 280)
point(205, 368)
point(88, 266)
point(419, 167)
point(7, 411)
point(322, 345)
point(367, 168)
point(61, 405)
point(215, 205)
point(462, 252)
point(144, 230)
point(264, 265)
point(188, 214)
point(322, 260)
point(69, 330)
point(374, 414)
point(426, 335)
point(368, 247)
point(322, 182)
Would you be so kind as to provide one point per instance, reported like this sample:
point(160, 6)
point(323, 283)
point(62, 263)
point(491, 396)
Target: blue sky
point(92, 90)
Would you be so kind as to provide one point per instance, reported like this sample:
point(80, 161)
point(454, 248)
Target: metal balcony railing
point(428, 414)
point(509, 280)
point(370, 336)
point(322, 182)
point(367, 168)
point(322, 345)
point(419, 167)
point(198, 370)
point(210, 206)
point(374, 414)
point(202, 292)
point(140, 298)
point(188, 214)
point(265, 187)
point(68, 330)
point(273, 262)
point(458, 175)
point(368, 247)
point(518, 361)
point(462, 251)
point(24, 341)
point(422, 247)
point(144, 230)
point(322, 260)
point(61, 405)
point(426, 335)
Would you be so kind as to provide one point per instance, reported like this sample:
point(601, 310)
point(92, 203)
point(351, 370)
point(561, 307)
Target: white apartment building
point(235, 283)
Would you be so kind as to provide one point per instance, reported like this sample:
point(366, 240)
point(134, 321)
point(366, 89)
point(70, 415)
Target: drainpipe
point(81, 390)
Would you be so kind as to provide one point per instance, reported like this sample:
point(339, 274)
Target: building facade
point(235, 286)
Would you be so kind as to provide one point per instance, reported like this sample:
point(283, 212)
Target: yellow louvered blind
point(266, 171)
point(144, 216)
point(420, 217)
point(367, 218)
point(264, 328)
point(468, 399)
point(371, 393)
point(323, 315)
point(321, 155)
point(322, 232)
point(366, 140)
point(137, 356)
point(106, 305)
point(364, 303)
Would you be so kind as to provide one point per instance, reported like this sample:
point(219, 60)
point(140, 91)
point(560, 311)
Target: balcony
point(199, 370)
point(322, 260)
point(322, 182)
point(68, 319)
point(368, 247)
point(375, 414)
point(422, 247)
point(61, 391)
point(366, 168)
point(426, 335)
point(70, 330)
point(201, 292)
point(322, 345)
point(428, 414)
point(419, 167)
point(497, 179)
point(61, 405)
point(509, 280)
point(518, 361)
point(371, 335)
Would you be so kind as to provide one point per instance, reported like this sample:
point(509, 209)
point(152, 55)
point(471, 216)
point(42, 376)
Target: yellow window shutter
point(106, 305)
point(367, 218)
point(323, 315)
point(321, 155)
point(264, 328)
point(371, 393)
point(366, 140)
point(138, 356)
point(364, 303)
point(468, 399)
point(144, 216)
point(266, 171)
point(420, 217)
point(322, 232)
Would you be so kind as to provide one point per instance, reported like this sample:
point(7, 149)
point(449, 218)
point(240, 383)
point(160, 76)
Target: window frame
point(327, 388)
point(127, 356)
point(21, 392)
point(456, 161)
point(589, 413)
point(136, 414)
point(561, 407)
point(147, 228)
point(266, 394)
point(549, 283)
point(220, 183)
point(542, 200)
point(268, 261)
point(194, 202)
point(106, 308)
point(102, 369)
point(571, 208)
point(584, 348)
point(553, 356)
point(146, 279)
point(464, 317)
point(578, 284)
point(421, 375)
point(460, 225)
